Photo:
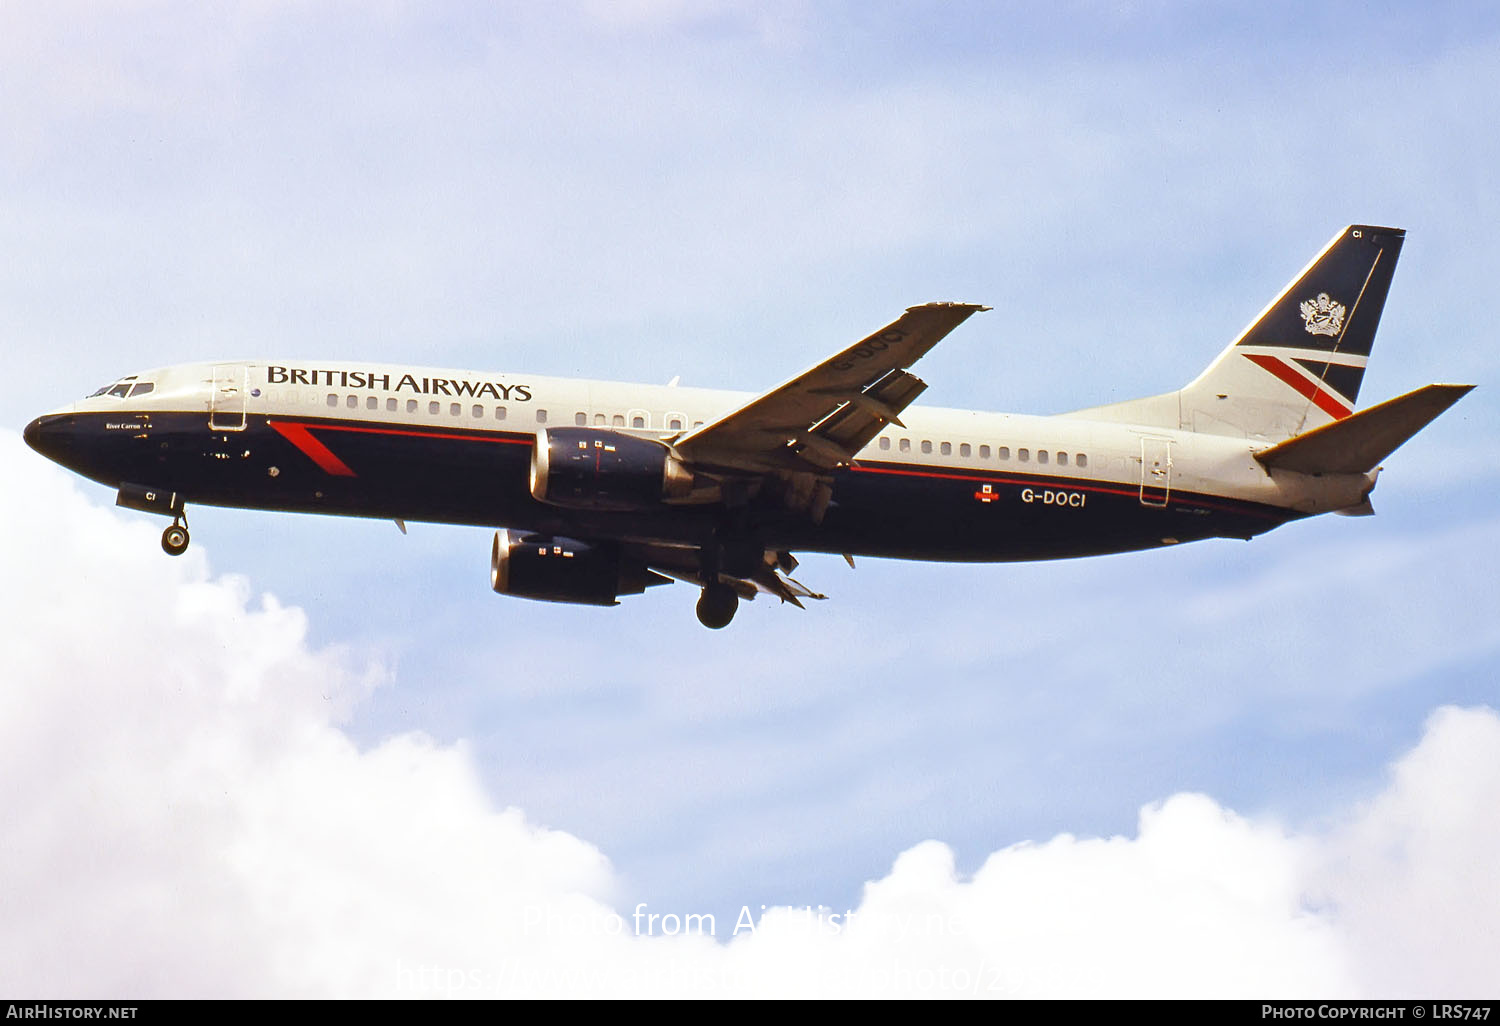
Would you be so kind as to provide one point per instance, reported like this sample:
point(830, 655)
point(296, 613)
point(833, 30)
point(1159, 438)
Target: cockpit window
point(141, 388)
point(120, 389)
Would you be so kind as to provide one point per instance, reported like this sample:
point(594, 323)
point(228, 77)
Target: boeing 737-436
point(601, 489)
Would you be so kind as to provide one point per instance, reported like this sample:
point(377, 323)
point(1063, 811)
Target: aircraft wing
point(818, 420)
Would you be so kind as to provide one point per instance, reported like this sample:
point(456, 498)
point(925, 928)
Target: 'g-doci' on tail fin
point(1298, 366)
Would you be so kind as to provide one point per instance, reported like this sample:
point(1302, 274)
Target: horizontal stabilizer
point(1359, 442)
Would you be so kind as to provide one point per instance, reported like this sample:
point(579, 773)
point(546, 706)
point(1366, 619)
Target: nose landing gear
point(174, 540)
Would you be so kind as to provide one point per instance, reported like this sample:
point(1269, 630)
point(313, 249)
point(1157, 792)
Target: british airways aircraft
point(602, 489)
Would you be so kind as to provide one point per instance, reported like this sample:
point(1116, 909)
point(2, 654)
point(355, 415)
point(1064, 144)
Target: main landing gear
point(174, 540)
point(732, 552)
point(717, 605)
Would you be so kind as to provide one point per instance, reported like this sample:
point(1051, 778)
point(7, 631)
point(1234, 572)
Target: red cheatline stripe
point(1069, 483)
point(1246, 508)
point(315, 450)
point(1309, 389)
point(301, 436)
point(362, 430)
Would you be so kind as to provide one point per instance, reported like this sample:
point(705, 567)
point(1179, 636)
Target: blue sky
point(728, 192)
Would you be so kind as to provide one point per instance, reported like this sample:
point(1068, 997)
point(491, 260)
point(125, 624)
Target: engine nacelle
point(551, 569)
point(596, 468)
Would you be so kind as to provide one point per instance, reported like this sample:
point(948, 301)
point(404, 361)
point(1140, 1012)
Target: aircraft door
point(1156, 471)
point(226, 403)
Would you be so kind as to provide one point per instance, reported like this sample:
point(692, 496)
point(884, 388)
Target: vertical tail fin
point(1298, 366)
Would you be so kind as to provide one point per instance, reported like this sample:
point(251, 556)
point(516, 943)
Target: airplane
point(599, 490)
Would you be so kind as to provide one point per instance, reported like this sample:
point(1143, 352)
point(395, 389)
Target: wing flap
point(772, 576)
point(816, 420)
point(837, 437)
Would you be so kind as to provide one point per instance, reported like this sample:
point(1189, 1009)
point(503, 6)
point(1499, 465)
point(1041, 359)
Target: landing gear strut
point(716, 606)
point(149, 499)
point(174, 540)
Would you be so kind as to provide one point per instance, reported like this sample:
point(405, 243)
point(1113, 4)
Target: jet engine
point(551, 569)
point(600, 469)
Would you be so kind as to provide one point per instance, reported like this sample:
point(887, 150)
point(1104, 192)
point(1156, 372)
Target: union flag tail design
point(1299, 364)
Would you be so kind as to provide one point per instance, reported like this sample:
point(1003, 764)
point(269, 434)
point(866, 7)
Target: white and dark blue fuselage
point(600, 489)
point(457, 447)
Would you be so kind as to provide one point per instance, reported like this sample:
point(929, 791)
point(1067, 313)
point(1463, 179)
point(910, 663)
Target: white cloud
point(184, 816)
point(562, 192)
point(1411, 876)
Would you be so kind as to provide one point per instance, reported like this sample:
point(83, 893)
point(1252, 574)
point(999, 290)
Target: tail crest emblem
point(1323, 316)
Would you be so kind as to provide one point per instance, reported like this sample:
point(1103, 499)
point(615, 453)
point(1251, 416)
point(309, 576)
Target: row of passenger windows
point(966, 451)
point(434, 407)
point(676, 422)
point(477, 411)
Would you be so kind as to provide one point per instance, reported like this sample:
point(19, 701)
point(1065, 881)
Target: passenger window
point(1005, 452)
point(637, 422)
point(411, 406)
point(477, 411)
point(499, 412)
point(984, 452)
point(371, 403)
point(454, 409)
point(946, 448)
point(333, 400)
point(1083, 460)
point(675, 424)
point(541, 416)
point(390, 405)
point(926, 446)
point(1024, 455)
point(885, 443)
point(433, 407)
point(598, 420)
point(352, 402)
point(581, 419)
point(1041, 455)
point(964, 450)
point(697, 424)
point(617, 420)
point(1062, 459)
point(906, 445)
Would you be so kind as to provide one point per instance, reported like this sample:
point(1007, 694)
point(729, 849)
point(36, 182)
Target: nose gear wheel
point(174, 540)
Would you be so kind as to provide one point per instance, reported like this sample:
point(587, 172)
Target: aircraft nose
point(33, 435)
point(50, 436)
